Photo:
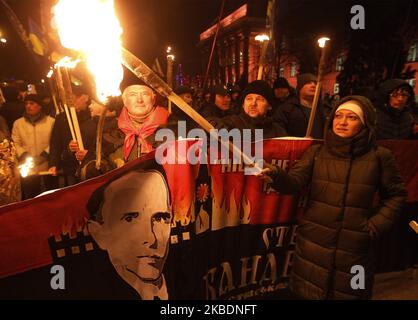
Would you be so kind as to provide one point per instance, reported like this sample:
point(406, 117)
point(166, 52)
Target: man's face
point(223, 102)
point(139, 100)
point(255, 105)
point(234, 95)
point(308, 90)
point(32, 108)
point(346, 123)
point(281, 93)
point(80, 102)
point(207, 97)
point(399, 98)
point(187, 97)
point(136, 225)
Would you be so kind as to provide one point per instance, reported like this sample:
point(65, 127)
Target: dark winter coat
point(60, 155)
point(112, 140)
point(212, 111)
point(112, 137)
point(242, 121)
point(391, 122)
point(333, 234)
point(294, 118)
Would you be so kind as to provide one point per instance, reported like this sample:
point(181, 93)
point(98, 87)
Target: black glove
point(45, 155)
point(38, 160)
point(23, 157)
point(269, 172)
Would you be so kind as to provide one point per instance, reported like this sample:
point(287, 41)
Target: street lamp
point(263, 39)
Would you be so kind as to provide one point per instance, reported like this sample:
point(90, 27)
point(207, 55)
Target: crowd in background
point(31, 127)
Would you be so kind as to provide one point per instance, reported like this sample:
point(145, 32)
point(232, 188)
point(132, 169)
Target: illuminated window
point(336, 88)
point(339, 66)
point(413, 52)
point(293, 70)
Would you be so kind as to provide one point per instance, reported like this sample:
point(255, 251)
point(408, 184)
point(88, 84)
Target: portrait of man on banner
point(130, 218)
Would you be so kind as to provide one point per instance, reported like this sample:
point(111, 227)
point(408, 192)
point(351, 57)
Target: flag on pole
point(36, 38)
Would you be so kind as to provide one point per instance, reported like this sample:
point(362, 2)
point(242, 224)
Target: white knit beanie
point(353, 107)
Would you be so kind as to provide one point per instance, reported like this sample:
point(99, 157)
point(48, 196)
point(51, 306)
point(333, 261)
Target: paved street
point(402, 285)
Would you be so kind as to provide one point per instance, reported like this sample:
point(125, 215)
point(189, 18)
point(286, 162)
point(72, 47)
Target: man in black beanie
point(294, 114)
point(256, 100)
point(282, 90)
point(219, 105)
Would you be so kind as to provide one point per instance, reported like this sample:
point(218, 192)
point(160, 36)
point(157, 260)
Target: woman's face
point(346, 123)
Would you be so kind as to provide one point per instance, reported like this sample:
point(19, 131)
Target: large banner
point(226, 235)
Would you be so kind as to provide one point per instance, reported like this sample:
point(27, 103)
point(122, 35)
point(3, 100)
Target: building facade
point(236, 53)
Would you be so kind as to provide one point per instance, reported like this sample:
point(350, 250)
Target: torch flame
point(323, 41)
point(24, 168)
point(67, 62)
point(262, 37)
point(92, 28)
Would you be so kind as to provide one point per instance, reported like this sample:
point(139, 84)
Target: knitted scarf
point(349, 147)
point(158, 117)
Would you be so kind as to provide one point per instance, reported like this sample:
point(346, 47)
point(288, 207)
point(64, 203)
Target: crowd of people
point(30, 129)
point(344, 172)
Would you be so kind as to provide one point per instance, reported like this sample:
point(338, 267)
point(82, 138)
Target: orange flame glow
point(92, 28)
point(67, 62)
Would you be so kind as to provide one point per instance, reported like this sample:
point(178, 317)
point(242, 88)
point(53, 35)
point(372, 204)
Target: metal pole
point(213, 44)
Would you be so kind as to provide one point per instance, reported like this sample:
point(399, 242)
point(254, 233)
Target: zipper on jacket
point(345, 192)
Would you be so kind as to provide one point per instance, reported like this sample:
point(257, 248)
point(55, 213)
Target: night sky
point(149, 27)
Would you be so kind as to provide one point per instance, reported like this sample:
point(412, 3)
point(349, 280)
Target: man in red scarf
point(139, 120)
point(136, 126)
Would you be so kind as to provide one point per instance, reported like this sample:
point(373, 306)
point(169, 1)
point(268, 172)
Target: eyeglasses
point(400, 95)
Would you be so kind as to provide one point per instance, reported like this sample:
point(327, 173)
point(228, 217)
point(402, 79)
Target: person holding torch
point(31, 134)
point(338, 232)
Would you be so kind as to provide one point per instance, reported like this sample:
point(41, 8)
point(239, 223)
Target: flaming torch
point(64, 88)
point(25, 168)
point(170, 65)
point(98, 43)
point(322, 42)
point(264, 40)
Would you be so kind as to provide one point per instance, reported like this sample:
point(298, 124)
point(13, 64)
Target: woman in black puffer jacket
point(340, 225)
